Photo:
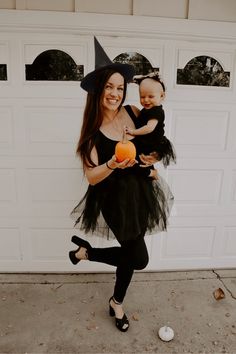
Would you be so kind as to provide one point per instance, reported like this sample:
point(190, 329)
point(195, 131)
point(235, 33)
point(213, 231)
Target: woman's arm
point(100, 172)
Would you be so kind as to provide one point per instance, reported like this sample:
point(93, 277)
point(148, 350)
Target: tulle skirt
point(166, 152)
point(124, 206)
point(161, 145)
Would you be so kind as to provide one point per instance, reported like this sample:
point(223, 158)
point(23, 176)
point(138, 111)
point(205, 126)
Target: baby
point(150, 122)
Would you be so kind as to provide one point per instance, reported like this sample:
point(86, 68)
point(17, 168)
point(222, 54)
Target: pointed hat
point(102, 61)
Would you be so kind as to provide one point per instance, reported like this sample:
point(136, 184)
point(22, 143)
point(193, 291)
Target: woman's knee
point(135, 261)
point(135, 254)
point(140, 254)
point(141, 261)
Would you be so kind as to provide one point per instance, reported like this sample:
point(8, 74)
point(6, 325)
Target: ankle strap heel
point(116, 302)
point(121, 323)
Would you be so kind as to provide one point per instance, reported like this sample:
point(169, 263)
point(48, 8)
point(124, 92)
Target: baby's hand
point(153, 174)
point(129, 130)
point(148, 160)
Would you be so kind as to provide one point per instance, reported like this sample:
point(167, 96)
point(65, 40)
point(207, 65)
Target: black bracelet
point(109, 167)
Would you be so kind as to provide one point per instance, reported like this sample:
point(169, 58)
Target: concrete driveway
point(68, 313)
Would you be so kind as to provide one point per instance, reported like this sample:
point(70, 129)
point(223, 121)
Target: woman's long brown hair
point(93, 117)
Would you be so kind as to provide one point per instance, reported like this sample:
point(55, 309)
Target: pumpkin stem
point(124, 137)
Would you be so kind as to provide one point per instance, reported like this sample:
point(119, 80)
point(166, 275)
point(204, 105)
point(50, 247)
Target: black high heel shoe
point(81, 243)
point(121, 323)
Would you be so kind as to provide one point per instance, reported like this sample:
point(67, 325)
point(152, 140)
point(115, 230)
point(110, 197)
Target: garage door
point(42, 61)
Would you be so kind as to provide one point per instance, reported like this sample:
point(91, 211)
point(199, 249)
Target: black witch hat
point(88, 83)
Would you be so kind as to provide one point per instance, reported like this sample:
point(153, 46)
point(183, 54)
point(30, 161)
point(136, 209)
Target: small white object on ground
point(166, 333)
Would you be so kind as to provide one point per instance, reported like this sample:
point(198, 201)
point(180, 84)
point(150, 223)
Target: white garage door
point(40, 177)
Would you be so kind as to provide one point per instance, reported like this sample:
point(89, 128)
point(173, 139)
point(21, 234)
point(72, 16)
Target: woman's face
point(113, 92)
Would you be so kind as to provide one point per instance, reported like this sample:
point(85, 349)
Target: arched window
point(203, 70)
point(141, 64)
point(54, 65)
point(3, 72)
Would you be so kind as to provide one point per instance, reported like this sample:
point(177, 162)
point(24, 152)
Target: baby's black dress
point(156, 140)
point(126, 204)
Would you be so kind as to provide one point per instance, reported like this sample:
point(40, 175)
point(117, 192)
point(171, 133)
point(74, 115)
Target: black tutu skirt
point(123, 206)
point(161, 145)
point(166, 151)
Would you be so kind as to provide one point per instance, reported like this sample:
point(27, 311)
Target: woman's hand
point(124, 164)
point(149, 160)
point(98, 173)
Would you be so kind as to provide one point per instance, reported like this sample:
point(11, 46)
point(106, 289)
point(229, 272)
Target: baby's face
point(151, 93)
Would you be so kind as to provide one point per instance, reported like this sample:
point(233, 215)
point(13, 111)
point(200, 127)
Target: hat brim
point(89, 82)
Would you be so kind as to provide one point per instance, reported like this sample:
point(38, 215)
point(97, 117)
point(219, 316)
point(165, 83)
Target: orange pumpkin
point(125, 150)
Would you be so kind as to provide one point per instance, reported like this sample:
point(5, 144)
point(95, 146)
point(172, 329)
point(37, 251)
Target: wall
point(212, 10)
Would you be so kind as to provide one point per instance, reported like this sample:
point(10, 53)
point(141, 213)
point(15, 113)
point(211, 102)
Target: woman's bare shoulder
point(135, 110)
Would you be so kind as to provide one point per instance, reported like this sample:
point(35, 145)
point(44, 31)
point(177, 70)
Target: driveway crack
point(225, 286)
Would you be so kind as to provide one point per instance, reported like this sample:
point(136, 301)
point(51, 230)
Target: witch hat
point(102, 62)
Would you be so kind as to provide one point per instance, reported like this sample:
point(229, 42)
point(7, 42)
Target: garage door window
point(3, 72)
point(142, 64)
point(204, 71)
point(54, 65)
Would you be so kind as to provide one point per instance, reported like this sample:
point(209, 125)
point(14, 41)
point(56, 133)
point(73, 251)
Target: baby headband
point(137, 79)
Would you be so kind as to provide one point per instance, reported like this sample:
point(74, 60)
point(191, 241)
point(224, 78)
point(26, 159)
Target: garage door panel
point(188, 242)
point(10, 249)
point(5, 59)
point(76, 51)
point(232, 133)
point(195, 243)
point(229, 249)
point(55, 191)
point(200, 130)
point(225, 57)
point(233, 189)
point(6, 128)
point(49, 244)
point(52, 184)
point(196, 186)
point(52, 130)
point(7, 185)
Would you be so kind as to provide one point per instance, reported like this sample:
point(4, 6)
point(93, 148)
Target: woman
point(119, 192)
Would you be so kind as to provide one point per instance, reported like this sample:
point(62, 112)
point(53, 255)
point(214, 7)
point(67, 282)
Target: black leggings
point(131, 255)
